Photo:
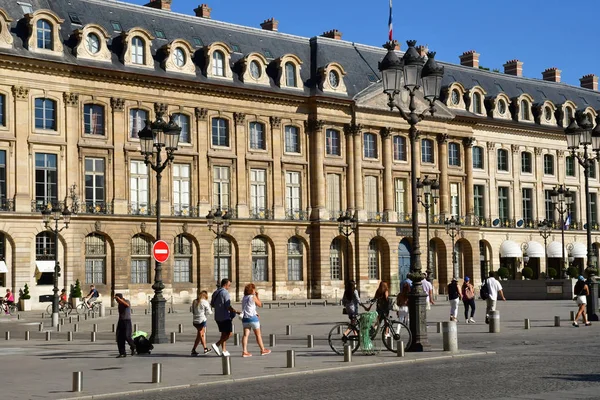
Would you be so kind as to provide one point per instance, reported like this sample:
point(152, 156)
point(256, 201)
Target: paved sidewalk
point(42, 369)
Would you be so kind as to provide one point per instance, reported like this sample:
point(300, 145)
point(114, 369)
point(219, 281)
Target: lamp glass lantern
point(573, 135)
point(391, 71)
point(435, 189)
point(596, 136)
point(568, 197)
point(146, 139)
point(172, 133)
point(413, 64)
point(432, 76)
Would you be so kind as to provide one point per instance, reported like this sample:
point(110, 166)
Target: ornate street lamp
point(217, 223)
point(453, 229)
point(51, 219)
point(154, 137)
point(409, 74)
point(428, 193)
point(347, 225)
point(545, 229)
point(562, 199)
point(581, 133)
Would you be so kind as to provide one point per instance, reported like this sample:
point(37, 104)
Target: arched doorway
point(485, 257)
point(465, 258)
point(404, 250)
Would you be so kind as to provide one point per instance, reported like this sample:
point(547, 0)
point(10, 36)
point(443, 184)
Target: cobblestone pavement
point(531, 358)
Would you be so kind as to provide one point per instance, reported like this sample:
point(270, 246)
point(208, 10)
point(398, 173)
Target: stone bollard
point(7, 335)
point(572, 316)
point(102, 313)
point(48, 336)
point(26, 335)
point(557, 321)
point(92, 336)
point(400, 347)
point(288, 330)
point(232, 327)
point(236, 339)
point(347, 353)
point(77, 385)
point(226, 363)
point(291, 359)
point(272, 340)
point(494, 320)
point(95, 328)
point(180, 328)
point(41, 326)
point(156, 372)
point(439, 327)
point(69, 336)
point(76, 328)
point(173, 337)
point(449, 336)
point(110, 312)
point(310, 341)
point(526, 324)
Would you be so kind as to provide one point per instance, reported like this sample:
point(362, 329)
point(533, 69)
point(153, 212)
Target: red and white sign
point(160, 251)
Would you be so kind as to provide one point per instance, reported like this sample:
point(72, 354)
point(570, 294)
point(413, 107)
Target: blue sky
point(540, 33)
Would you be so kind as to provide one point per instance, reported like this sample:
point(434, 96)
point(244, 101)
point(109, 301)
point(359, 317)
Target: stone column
point(388, 182)
point(515, 168)
point(203, 172)
point(492, 167)
point(72, 121)
point(442, 140)
point(468, 145)
point(119, 131)
point(240, 170)
point(358, 176)
point(23, 161)
point(540, 206)
point(278, 187)
point(314, 127)
point(349, 134)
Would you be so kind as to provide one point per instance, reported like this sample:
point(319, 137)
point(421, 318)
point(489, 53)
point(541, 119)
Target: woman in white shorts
point(581, 291)
point(250, 320)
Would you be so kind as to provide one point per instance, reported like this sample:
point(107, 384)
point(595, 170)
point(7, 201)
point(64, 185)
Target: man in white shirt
point(494, 289)
point(428, 289)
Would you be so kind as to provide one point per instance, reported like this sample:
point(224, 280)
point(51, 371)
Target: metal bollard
point(62, 321)
point(76, 328)
point(70, 320)
point(41, 326)
point(44, 315)
point(527, 324)
point(48, 337)
point(95, 328)
point(146, 311)
point(305, 304)
point(400, 347)
point(26, 335)
point(110, 312)
point(310, 341)
point(58, 328)
point(69, 336)
point(7, 335)
point(135, 327)
point(78, 318)
point(270, 306)
point(18, 316)
point(325, 303)
point(272, 340)
point(439, 327)
point(572, 316)
point(85, 316)
point(557, 321)
point(156, 372)
point(77, 381)
point(288, 305)
point(226, 363)
point(102, 312)
point(494, 320)
point(92, 336)
point(113, 328)
point(180, 328)
point(236, 339)
point(347, 353)
point(291, 359)
point(288, 330)
point(339, 330)
point(449, 336)
point(173, 337)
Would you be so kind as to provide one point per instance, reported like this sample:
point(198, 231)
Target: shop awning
point(555, 250)
point(535, 250)
point(579, 250)
point(510, 249)
point(43, 267)
point(3, 268)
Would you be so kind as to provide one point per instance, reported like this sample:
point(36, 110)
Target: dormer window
point(255, 70)
point(92, 43)
point(217, 63)
point(524, 110)
point(137, 51)
point(290, 75)
point(334, 79)
point(476, 103)
point(455, 97)
point(501, 107)
point(44, 35)
point(548, 113)
point(568, 115)
point(179, 57)
point(43, 28)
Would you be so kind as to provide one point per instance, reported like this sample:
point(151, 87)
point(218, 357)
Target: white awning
point(555, 250)
point(3, 268)
point(579, 250)
point(510, 249)
point(535, 250)
point(43, 267)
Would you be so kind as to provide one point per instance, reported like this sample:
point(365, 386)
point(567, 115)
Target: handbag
point(344, 311)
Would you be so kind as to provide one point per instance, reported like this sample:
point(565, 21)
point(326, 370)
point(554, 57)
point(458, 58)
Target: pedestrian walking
point(224, 313)
point(454, 297)
point(351, 301)
point(381, 300)
point(494, 289)
point(402, 302)
point(428, 289)
point(581, 291)
point(250, 320)
point(468, 298)
point(124, 329)
point(200, 309)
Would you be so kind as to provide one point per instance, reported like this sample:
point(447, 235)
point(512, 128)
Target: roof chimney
point(203, 11)
point(270, 24)
point(513, 67)
point(469, 59)
point(422, 50)
point(589, 81)
point(333, 34)
point(551, 74)
point(160, 4)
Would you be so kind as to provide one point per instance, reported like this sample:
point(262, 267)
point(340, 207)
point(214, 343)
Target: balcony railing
point(377, 216)
point(41, 205)
point(98, 207)
point(185, 210)
point(141, 209)
point(7, 205)
point(232, 211)
point(261, 213)
point(296, 214)
point(405, 218)
point(334, 214)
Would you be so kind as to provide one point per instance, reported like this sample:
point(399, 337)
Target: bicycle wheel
point(81, 309)
point(67, 308)
point(13, 309)
point(49, 309)
point(342, 334)
point(397, 331)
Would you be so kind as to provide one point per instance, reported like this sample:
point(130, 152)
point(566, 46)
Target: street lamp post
point(153, 138)
point(49, 216)
point(580, 133)
point(453, 229)
point(545, 229)
point(408, 75)
point(562, 199)
point(217, 223)
point(428, 193)
point(347, 225)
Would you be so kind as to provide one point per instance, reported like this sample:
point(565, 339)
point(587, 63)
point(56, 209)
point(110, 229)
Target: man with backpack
point(489, 292)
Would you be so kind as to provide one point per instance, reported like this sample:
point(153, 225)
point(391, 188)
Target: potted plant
point(527, 273)
point(75, 294)
point(552, 273)
point(503, 272)
point(25, 299)
point(573, 272)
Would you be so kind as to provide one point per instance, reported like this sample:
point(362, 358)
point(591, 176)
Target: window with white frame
point(93, 119)
point(137, 121)
point(570, 166)
point(183, 121)
point(182, 270)
point(292, 194)
point(290, 75)
point(138, 187)
point(95, 259)
point(524, 110)
point(138, 50)
point(140, 259)
point(3, 193)
point(258, 192)
point(45, 250)
point(292, 139)
point(222, 258)
point(218, 61)
point(334, 204)
point(592, 169)
point(548, 205)
point(257, 136)
point(503, 211)
point(373, 259)
point(400, 189)
point(2, 110)
point(332, 142)
point(455, 200)
point(95, 185)
point(44, 35)
point(476, 103)
point(181, 189)
point(526, 166)
point(454, 154)
point(502, 160)
point(478, 157)
point(221, 187)
point(335, 262)
point(220, 132)
point(478, 200)
point(371, 197)
point(427, 151)
point(399, 148)
point(370, 145)
point(594, 209)
point(295, 256)
point(46, 179)
point(548, 164)
point(45, 114)
point(527, 197)
point(260, 260)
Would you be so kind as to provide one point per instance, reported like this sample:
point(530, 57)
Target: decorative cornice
point(239, 118)
point(71, 99)
point(117, 103)
point(201, 113)
point(468, 142)
point(312, 124)
point(442, 138)
point(385, 132)
point(20, 92)
point(352, 129)
point(275, 122)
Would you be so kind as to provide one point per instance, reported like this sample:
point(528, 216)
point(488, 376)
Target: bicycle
point(65, 309)
point(11, 308)
point(82, 308)
point(392, 331)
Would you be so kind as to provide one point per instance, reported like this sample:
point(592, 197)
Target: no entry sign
point(160, 251)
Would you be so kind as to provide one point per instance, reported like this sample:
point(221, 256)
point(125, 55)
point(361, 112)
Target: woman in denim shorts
point(250, 320)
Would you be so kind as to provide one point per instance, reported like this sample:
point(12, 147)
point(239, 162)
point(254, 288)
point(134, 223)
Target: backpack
point(484, 293)
point(469, 293)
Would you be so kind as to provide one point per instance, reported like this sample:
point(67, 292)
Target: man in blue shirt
point(221, 302)
point(92, 296)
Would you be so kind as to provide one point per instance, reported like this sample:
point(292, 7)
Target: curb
point(270, 376)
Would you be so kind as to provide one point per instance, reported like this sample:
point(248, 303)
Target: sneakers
point(195, 353)
point(226, 354)
point(206, 351)
point(121, 356)
point(215, 349)
point(245, 355)
point(575, 324)
point(467, 321)
point(265, 352)
point(471, 320)
point(588, 323)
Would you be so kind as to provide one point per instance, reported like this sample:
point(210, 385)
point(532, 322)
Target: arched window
point(137, 121)
point(292, 139)
point(222, 254)
point(179, 57)
point(526, 165)
point(454, 154)
point(290, 75)
point(93, 119)
point(548, 164)
point(92, 43)
point(476, 103)
point(95, 259)
point(44, 35)
point(45, 114)
point(257, 136)
point(568, 115)
point(294, 253)
point(335, 261)
point(138, 55)
point(217, 63)
point(332, 142)
point(370, 145)
point(220, 132)
point(260, 260)
point(399, 148)
point(182, 270)
point(502, 160)
point(524, 110)
point(140, 259)
point(427, 151)
point(373, 259)
point(478, 157)
point(184, 122)
point(45, 255)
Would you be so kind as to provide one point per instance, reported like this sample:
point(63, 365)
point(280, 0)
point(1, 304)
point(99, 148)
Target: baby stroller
point(142, 344)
